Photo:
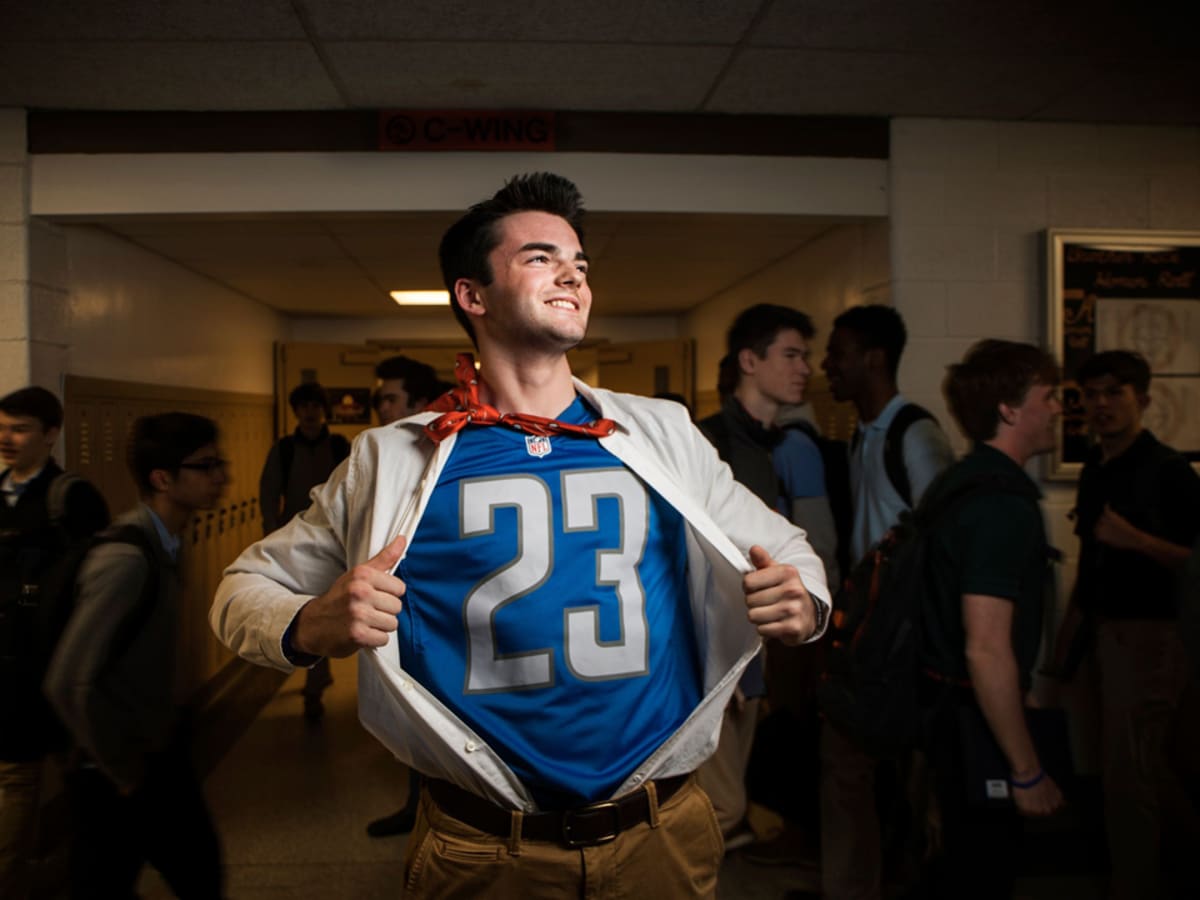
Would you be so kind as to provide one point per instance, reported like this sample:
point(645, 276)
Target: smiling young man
point(1137, 515)
point(986, 577)
point(137, 798)
point(556, 588)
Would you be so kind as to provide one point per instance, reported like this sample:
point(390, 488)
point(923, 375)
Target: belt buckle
point(586, 812)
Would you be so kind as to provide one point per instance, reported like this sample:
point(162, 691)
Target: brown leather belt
point(584, 826)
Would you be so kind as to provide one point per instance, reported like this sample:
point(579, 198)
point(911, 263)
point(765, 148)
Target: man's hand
point(1043, 799)
point(1114, 529)
point(357, 611)
point(779, 605)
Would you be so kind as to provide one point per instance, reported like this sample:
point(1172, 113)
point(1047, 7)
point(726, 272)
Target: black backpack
point(61, 587)
point(868, 688)
point(835, 454)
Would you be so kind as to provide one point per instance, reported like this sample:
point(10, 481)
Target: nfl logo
point(537, 445)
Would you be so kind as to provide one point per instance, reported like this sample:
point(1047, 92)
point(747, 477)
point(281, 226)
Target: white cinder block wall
point(131, 315)
point(843, 266)
point(969, 202)
point(14, 253)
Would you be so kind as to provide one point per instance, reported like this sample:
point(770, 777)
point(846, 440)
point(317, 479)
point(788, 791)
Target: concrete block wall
point(844, 266)
point(14, 253)
point(969, 203)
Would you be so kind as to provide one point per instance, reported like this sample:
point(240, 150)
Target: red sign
point(427, 130)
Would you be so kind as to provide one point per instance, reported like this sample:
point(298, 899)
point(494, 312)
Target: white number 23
point(587, 656)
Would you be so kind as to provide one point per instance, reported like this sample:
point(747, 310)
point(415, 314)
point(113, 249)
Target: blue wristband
point(1026, 785)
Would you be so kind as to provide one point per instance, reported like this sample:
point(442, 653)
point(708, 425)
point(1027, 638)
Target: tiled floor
point(292, 802)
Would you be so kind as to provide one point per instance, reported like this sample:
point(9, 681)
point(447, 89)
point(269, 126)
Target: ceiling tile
point(140, 20)
point(164, 75)
point(801, 82)
point(526, 76)
point(951, 27)
point(664, 21)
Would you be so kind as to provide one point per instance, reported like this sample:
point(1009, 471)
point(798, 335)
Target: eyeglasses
point(210, 465)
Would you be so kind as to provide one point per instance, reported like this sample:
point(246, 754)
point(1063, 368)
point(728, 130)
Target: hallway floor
point(292, 801)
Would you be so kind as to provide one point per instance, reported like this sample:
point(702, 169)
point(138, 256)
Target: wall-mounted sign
point(1127, 290)
point(349, 405)
point(457, 130)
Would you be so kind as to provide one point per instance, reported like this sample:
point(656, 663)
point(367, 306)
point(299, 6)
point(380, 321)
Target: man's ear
point(51, 435)
point(876, 359)
point(747, 360)
point(469, 297)
point(160, 479)
point(1008, 415)
point(1143, 401)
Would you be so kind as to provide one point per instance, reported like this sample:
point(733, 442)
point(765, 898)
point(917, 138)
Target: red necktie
point(460, 407)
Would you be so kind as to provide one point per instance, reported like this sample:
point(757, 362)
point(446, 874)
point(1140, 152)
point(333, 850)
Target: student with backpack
point(134, 791)
point(765, 367)
point(47, 517)
point(295, 465)
point(897, 450)
point(984, 584)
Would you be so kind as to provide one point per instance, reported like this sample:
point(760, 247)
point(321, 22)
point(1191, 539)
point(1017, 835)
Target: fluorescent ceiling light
point(421, 298)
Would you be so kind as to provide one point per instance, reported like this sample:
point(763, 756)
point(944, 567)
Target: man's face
point(845, 365)
point(200, 481)
point(782, 375)
point(539, 297)
point(24, 444)
point(1037, 417)
point(394, 402)
point(311, 415)
point(1112, 409)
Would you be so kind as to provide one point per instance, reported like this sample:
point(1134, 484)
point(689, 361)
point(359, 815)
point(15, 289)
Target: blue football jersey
point(547, 605)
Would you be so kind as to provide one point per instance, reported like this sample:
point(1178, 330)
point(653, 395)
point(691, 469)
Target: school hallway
point(292, 801)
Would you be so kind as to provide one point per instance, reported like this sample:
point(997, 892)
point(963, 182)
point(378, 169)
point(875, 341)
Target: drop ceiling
point(1017, 60)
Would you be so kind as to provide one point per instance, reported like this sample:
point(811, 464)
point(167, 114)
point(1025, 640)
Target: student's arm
point(926, 453)
point(993, 670)
point(815, 516)
point(1115, 530)
point(803, 472)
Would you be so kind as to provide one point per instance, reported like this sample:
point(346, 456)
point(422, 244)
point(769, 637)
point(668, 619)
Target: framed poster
point(1129, 290)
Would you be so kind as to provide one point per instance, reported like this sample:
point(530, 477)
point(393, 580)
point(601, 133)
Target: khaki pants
point(1141, 675)
point(20, 784)
point(678, 855)
point(723, 775)
point(851, 855)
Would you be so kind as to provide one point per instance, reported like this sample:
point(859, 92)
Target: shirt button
point(406, 685)
point(471, 747)
point(636, 779)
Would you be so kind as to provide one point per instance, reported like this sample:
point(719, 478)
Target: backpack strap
point(56, 495)
point(132, 625)
point(893, 448)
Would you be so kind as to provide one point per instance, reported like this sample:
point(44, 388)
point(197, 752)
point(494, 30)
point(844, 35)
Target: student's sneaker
point(741, 836)
point(399, 822)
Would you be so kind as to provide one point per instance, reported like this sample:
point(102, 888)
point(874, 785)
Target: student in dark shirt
point(44, 514)
point(296, 464)
point(1137, 515)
